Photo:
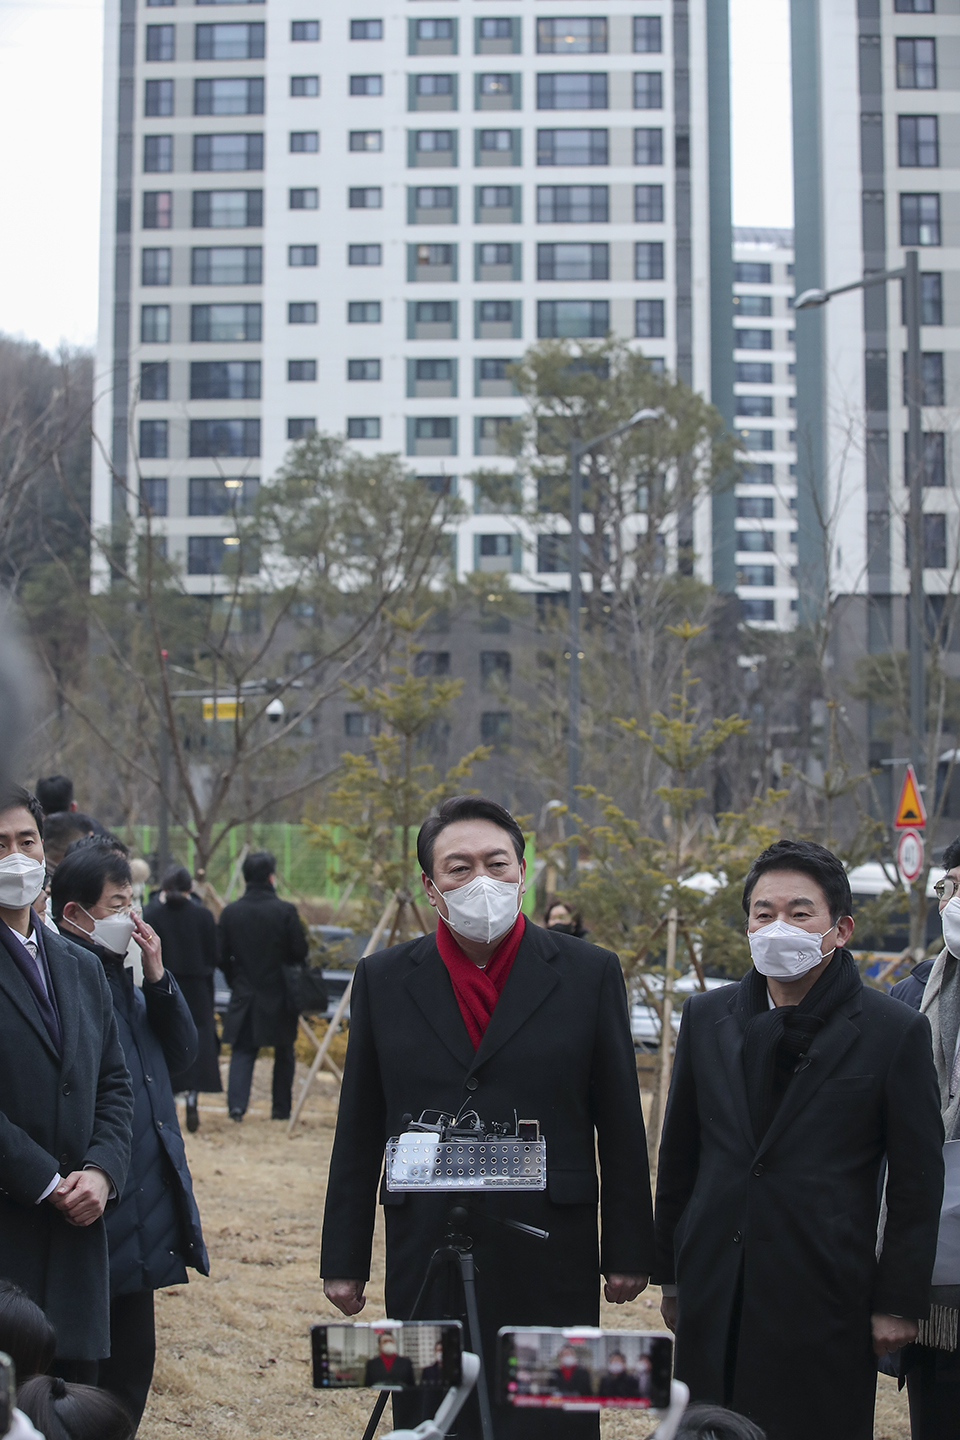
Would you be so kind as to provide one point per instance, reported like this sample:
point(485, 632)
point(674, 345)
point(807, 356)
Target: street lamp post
point(909, 274)
point(578, 449)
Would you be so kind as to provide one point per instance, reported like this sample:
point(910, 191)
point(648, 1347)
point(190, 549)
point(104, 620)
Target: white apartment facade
point(353, 217)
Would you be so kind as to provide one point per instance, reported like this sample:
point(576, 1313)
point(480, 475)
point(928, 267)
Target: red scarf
point(477, 990)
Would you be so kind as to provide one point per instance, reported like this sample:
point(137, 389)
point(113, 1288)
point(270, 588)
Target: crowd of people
point(797, 1227)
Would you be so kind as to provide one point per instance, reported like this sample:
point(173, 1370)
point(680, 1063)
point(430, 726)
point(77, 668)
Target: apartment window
point(433, 428)
point(205, 554)
point(433, 312)
point(299, 427)
point(299, 256)
point(357, 725)
point(755, 575)
point(752, 305)
point(561, 90)
point(494, 370)
point(916, 65)
point(495, 197)
point(301, 369)
point(224, 437)
point(304, 142)
point(433, 84)
point(366, 29)
point(492, 434)
point(155, 324)
point(931, 298)
point(572, 147)
point(649, 320)
point(754, 372)
point(498, 254)
point(430, 141)
point(304, 30)
point(158, 3)
point(305, 199)
point(225, 323)
point(572, 319)
point(366, 197)
point(497, 29)
point(304, 86)
point(302, 312)
point(756, 405)
point(157, 154)
point(364, 255)
point(225, 380)
point(434, 29)
point(363, 427)
point(227, 209)
point(648, 146)
point(495, 312)
point(363, 369)
point(648, 204)
point(366, 84)
point(647, 35)
point(154, 380)
point(934, 460)
point(648, 90)
point(919, 219)
point(648, 260)
point(366, 140)
point(495, 667)
point(573, 261)
point(753, 339)
point(497, 85)
point(579, 36)
point(211, 495)
point(914, 7)
point(153, 495)
point(155, 267)
point(434, 257)
point(226, 265)
point(757, 439)
point(234, 41)
point(755, 540)
point(433, 197)
point(573, 204)
point(752, 272)
point(752, 611)
point(363, 312)
point(158, 97)
point(934, 541)
point(932, 392)
point(228, 152)
point(918, 141)
point(228, 97)
point(161, 42)
point(756, 507)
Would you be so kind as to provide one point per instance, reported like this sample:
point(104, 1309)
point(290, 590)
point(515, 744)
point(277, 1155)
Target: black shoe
point(193, 1118)
point(236, 1115)
point(280, 1115)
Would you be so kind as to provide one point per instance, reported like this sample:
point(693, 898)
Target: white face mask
point(484, 909)
point(21, 880)
point(950, 920)
point(113, 932)
point(785, 952)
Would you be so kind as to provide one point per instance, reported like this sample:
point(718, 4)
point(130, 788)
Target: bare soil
point(233, 1350)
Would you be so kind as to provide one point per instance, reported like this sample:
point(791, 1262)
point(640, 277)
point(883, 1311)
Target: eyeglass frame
point(940, 888)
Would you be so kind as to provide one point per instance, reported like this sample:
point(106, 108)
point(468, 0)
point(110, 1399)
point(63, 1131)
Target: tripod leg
point(436, 1261)
point(378, 1410)
point(473, 1336)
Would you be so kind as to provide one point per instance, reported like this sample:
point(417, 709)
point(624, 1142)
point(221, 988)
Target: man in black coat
point(65, 1106)
point(789, 1089)
point(260, 936)
point(431, 1029)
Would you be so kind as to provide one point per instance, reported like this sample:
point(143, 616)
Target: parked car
point(644, 1020)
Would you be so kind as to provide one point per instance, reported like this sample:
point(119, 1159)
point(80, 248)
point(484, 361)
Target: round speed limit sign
point(910, 855)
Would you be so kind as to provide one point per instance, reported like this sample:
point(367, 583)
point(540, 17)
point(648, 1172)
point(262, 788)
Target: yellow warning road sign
point(910, 812)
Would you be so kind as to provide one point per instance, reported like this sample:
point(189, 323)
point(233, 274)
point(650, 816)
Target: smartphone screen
point(387, 1355)
point(584, 1369)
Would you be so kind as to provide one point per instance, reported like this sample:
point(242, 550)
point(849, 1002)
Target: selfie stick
point(453, 1402)
point(670, 1424)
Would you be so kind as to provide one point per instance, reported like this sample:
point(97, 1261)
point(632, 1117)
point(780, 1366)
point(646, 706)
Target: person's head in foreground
point(92, 894)
point(26, 1334)
point(797, 902)
point(73, 1412)
point(22, 872)
point(712, 1422)
point(947, 892)
point(471, 859)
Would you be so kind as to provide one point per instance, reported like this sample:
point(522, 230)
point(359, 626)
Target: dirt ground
point(233, 1350)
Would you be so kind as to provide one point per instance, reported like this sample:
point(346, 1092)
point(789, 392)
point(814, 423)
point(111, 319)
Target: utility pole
point(913, 384)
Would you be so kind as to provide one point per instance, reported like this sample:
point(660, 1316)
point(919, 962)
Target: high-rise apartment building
point(765, 409)
point(353, 217)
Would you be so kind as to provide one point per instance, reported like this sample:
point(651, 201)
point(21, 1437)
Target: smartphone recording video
point(584, 1369)
point(387, 1355)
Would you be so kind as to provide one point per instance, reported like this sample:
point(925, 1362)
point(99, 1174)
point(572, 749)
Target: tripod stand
point(454, 1260)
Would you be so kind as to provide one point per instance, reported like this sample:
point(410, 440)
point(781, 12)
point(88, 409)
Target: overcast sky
point(50, 77)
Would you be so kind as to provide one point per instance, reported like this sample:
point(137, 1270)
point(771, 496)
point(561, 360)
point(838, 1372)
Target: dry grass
point(233, 1350)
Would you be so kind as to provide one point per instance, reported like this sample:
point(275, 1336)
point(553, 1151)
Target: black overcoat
point(59, 1113)
point(786, 1224)
point(188, 935)
point(558, 1049)
point(259, 935)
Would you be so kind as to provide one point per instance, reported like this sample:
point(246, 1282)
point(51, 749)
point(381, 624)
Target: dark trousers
point(133, 1348)
point(242, 1060)
point(934, 1393)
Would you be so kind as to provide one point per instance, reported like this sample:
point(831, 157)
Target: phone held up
point(584, 1369)
point(388, 1355)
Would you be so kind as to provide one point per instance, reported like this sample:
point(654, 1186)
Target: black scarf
point(775, 1041)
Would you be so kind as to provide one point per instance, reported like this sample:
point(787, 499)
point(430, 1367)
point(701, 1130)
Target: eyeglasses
point(946, 888)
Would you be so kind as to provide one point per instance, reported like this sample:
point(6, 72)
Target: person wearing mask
point(564, 918)
point(932, 1365)
point(154, 1232)
point(789, 1090)
point(387, 1367)
point(571, 1377)
point(432, 1374)
point(66, 1106)
point(260, 936)
point(188, 935)
point(500, 1016)
point(617, 1382)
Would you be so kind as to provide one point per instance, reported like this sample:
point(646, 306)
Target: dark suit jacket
point(559, 1050)
point(259, 935)
point(60, 1113)
point(400, 1372)
point(782, 1228)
